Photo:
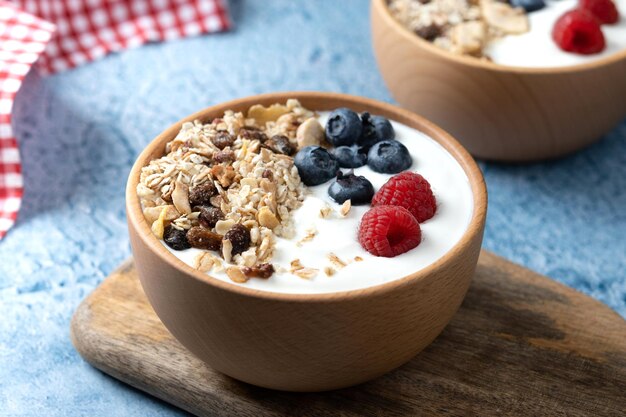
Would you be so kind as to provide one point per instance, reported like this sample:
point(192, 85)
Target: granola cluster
point(462, 27)
point(229, 186)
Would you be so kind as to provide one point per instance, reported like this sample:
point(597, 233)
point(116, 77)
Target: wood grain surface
point(521, 344)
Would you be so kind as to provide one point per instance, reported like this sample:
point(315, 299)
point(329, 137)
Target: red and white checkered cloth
point(63, 34)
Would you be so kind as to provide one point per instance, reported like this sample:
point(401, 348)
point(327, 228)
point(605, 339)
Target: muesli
point(227, 192)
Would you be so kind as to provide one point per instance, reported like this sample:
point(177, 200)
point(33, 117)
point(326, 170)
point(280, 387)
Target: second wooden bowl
point(300, 342)
point(499, 112)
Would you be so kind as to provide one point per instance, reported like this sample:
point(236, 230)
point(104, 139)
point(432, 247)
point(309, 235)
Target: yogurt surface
point(536, 47)
point(338, 234)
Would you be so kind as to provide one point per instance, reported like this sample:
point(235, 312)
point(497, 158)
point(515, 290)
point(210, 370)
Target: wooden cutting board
point(521, 344)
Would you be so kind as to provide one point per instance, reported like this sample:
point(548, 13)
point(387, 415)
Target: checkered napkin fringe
point(62, 34)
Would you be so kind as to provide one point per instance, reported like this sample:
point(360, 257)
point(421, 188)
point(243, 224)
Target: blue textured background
point(80, 131)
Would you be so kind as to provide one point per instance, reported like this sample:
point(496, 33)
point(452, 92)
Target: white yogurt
point(536, 47)
point(339, 234)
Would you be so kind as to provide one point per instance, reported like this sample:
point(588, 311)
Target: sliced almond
point(501, 16)
point(358, 259)
point(158, 227)
point(236, 275)
point(223, 226)
point(227, 250)
point(309, 133)
point(345, 208)
point(180, 197)
point(153, 213)
point(266, 218)
point(326, 211)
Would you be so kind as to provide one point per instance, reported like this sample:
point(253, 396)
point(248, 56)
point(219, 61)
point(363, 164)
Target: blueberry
point(350, 156)
point(389, 157)
point(350, 187)
point(375, 129)
point(343, 127)
point(529, 5)
point(315, 165)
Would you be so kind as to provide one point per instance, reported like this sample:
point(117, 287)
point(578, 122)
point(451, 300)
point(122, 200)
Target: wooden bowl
point(500, 112)
point(303, 342)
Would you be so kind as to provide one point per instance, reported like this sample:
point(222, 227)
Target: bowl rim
point(155, 149)
point(380, 6)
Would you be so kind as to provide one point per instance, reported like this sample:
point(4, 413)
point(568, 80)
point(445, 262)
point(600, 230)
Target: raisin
point(202, 238)
point(250, 132)
point(223, 139)
point(224, 156)
point(209, 216)
point(239, 237)
point(176, 238)
point(280, 144)
point(259, 271)
point(201, 194)
point(268, 174)
point(429, 33)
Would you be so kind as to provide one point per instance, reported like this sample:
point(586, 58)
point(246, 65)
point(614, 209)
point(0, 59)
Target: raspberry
point(408, 190)
point(389, 231)
point(578, 31)
point(604, 10)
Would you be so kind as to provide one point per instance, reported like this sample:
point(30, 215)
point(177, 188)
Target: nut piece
point(223, 226)
point(504, 17)
point(152, 213)
point(267, 218)
point(202, 238)
point(180, 197)
point(469, 38)
point(345, 208)
point(227, 250)
point(263, 114)
point(224, 174)
point(358, 259)
point(158, 227)
point(309, 133)
point(236, 275)
point(326, 211)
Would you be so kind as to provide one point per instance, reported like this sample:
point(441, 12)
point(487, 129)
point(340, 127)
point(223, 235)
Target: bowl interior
point(314, 101)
